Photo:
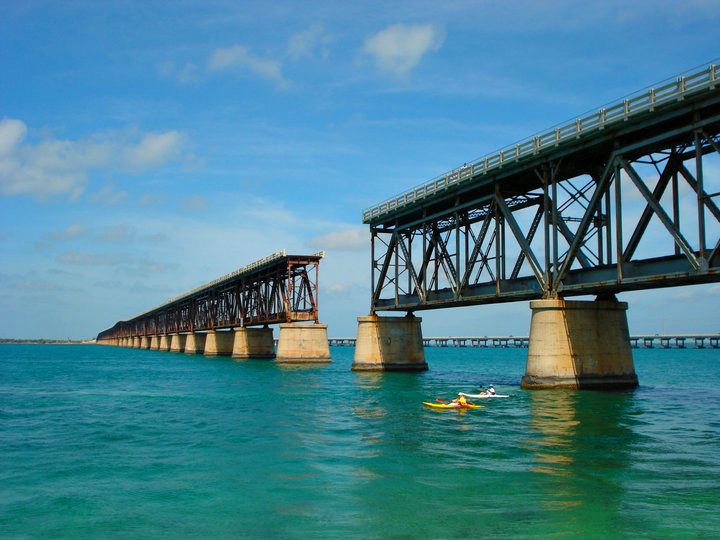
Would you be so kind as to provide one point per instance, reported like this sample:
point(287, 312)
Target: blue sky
point(148, 147)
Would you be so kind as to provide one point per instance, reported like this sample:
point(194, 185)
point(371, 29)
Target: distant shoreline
point(7, 341)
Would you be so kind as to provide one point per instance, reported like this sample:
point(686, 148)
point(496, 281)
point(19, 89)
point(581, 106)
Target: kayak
point(451, 406)
point(480, 396)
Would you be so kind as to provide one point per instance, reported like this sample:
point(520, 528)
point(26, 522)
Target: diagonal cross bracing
point(276, 289)
point(518, 227)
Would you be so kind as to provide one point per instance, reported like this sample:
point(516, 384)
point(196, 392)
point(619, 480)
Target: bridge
point(650, 341)
point(222, 317)
point(580, 209)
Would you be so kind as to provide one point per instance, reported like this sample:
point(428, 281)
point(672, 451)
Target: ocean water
point(108, 442)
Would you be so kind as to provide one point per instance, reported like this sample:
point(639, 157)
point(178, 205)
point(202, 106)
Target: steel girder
point(283, 292)
point(561, 233)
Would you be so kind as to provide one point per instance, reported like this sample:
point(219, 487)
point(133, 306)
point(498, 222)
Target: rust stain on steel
point(276, 289)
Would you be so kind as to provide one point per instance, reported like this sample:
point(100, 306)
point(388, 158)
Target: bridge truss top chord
point(276, 289)
point(552, 218)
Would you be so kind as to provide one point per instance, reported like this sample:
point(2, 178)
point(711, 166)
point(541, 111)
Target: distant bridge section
point(280, 288)
point(650, 341)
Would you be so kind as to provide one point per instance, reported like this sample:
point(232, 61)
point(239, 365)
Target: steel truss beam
point(561, 240)
point(286, 291)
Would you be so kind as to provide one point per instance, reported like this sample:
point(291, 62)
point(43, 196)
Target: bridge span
point(621, 199)
point(650, 341)
point(231, 315)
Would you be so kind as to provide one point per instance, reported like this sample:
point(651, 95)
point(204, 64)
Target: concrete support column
point(136, 342)
point(177, 342)
point(144, 342)
point(164, 343)
point(389, 344)
point(195, 343)
point(253, 343)
point(219, 343)
point(579, 344)
point(303, 343)
point(154, 343)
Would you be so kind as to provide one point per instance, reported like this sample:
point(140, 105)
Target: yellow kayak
point(452, 406)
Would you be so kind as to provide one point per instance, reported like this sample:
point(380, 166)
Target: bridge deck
point(595, 128)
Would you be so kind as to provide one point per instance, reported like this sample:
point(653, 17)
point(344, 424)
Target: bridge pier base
point(135, 342)
point(154, 343)
point(164, 344)
point(253, 343)
point(177, 342)
point(144, 342)
point(303, 344)
point(218, 343)
point(579, 344)
point(389, 344)
point(195, 343)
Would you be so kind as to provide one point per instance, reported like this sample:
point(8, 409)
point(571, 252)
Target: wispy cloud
point(72, 231)
point(108, 195)
point(309, 43)
point(195, 202)
point(239, 58)
point(51, 167)
point(355, 239)
point(399, 48)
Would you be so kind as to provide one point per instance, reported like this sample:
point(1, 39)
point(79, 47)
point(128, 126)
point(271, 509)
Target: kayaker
point(461, 401)
point(491, 390)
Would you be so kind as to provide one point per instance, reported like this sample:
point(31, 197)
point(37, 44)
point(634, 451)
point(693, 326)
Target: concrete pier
point(579, 344)
point(219, 343)
point(195, 343)
point(155, 343)
point(389, 344)
point(144, 342)
point(136, 342)
point(303, 344)
point(177, 342)
point(253, 343)
point(164, 343)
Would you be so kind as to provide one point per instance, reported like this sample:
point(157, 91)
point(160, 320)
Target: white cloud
point(355, 239)
point(309, 43)
point(108, 195)
point(154, 149)
point(72, 231)
point(185, 73)
point(399, 48)
point(238, 57)
point(51, 167)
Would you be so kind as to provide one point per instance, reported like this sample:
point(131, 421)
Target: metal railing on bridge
point(551, 218)
point(585, 126)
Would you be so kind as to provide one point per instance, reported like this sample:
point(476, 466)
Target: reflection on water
point(581, 443)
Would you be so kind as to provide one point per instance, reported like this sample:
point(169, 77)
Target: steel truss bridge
point(622, 199)
point(277, 289)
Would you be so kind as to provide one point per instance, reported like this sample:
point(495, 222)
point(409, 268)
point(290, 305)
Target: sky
point(149, 147)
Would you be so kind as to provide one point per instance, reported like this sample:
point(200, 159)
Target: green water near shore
point(106, 442)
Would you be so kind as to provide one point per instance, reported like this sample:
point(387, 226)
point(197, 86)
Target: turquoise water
point(101, 441)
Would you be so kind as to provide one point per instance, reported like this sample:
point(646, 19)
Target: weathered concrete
point(136, 342)
point(303, 344)
point(144, 342)
point(164, 343)
point(389, 344)
point(219, 343)
point(253, 343)
point(579, 344)
point(195, 343)
point(177, 342)
point(155, 343)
